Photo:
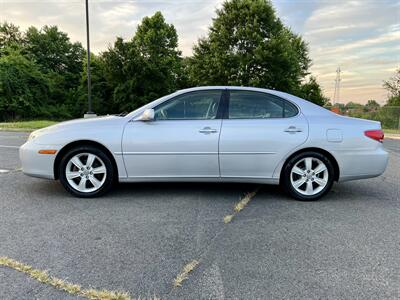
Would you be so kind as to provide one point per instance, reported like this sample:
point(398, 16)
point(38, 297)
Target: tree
point(372, 105)
point(146, 67)
point(61, 61)
point(101, 89)
point(353, 105)
point(393, 87)
point(248, 45)
point(10, 36)
point(312, 91)
point(54, 52)
point(24, 90)
point(393, 84)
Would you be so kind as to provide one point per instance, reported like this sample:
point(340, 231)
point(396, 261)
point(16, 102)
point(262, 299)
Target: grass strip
point(391, 131)
point(26, 125)
point(70, 288)
point(185, 272)
point(240, 206)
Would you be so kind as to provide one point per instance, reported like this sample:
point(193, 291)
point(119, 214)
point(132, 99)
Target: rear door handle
point(293, 129)
point(208, 130)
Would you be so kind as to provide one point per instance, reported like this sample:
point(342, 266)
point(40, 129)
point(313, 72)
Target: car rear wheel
point(308, 176)
point(86, 172)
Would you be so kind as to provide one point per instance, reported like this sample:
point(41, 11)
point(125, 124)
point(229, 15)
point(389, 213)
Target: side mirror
point(147, 115)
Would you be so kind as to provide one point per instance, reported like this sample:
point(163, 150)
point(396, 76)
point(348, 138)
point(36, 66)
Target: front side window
point(255, 105)
point(201, 105)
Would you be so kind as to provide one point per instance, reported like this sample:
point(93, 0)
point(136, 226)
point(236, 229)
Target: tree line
point(388, 114)
point(43, 73)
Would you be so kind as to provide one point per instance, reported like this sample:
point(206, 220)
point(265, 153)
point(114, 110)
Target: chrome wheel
point(309, 176)
point(86, 172)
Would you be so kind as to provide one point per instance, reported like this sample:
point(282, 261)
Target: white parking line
point(11, 147)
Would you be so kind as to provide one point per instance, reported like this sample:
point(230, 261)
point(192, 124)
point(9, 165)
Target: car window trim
point(192, 92)
point(226, 115)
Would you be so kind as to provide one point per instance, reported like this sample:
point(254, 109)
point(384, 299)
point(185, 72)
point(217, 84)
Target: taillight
point(376, 135)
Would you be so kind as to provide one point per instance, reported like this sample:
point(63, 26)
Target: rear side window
point(256, 105)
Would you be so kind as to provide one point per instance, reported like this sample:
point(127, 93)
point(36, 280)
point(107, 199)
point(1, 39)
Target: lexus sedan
point(210, 134)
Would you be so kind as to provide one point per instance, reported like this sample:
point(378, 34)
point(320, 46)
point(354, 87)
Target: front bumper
point(35, 164)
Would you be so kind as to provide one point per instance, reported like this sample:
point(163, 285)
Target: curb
point(27, 130)
point(392, 137)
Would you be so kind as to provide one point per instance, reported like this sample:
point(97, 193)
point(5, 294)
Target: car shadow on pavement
point(229, 192)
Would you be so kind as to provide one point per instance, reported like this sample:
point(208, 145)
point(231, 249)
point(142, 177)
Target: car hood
point(79, 125)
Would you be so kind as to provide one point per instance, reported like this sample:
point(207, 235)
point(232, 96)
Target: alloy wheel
point(309, 176)
point(86, 172)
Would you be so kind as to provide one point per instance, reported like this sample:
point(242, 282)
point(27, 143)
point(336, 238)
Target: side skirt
point(273, 181)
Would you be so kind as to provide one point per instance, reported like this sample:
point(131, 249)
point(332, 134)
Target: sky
point(360, 36)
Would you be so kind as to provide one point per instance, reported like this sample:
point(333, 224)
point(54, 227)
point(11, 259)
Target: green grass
point(26, 125)
point(391, 131)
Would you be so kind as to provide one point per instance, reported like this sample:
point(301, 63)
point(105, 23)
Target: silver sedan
point(210, 134)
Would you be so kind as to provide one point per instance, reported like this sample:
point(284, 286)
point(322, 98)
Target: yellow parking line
point(73, 289)
point(185, 272)
point(240, 205)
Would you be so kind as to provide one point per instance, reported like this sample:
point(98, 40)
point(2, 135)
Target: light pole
point(90, 113)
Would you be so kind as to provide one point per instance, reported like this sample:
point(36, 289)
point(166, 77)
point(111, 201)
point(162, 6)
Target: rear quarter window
point(258, 105)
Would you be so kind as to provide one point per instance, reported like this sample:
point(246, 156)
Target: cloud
point(363, 37)
point(109, 19)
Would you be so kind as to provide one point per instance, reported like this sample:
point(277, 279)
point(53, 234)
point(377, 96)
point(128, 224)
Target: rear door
point(258, 130)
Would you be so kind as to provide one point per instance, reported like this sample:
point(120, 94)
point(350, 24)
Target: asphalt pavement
point(138, 238)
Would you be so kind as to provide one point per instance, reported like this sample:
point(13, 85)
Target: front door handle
point(208, 130)
point(293, 129)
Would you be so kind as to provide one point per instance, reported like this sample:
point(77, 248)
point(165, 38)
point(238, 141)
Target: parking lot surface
point(139, 237)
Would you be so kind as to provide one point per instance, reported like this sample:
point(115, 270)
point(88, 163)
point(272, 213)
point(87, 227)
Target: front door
point(260, 129)
point(182, 141)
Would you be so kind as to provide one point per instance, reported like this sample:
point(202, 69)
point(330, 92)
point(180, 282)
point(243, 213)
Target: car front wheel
point(86, 172)
point(308, 176)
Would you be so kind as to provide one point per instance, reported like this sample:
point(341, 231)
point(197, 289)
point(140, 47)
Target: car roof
point(223, 87)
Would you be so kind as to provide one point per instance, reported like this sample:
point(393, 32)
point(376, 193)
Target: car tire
point(86, 172)
point(308, 176)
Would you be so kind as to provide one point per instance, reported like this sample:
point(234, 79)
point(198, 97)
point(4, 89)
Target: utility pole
point(336, 95)
point(90, 113)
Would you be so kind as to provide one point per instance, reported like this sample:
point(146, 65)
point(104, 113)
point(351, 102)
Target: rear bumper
point(35, 164)
point(361, 164)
